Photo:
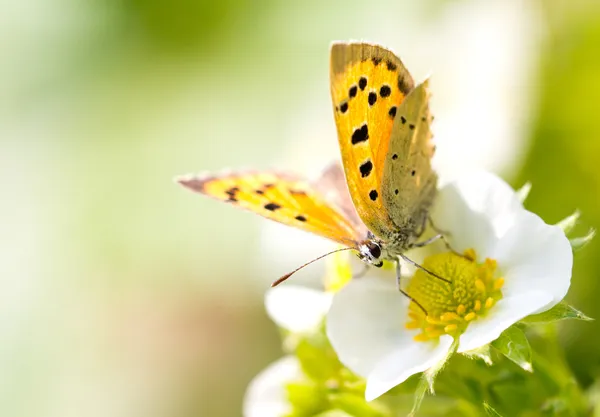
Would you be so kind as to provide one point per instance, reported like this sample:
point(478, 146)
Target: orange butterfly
point(380, 206)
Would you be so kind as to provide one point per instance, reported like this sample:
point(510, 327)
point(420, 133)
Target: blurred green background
point(124, 295)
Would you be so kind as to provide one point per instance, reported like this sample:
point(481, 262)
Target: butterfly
point(378, 203)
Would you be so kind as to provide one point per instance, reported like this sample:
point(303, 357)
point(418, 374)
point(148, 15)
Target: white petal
point(489, 194)
point(366, 323)
point(535, 256)
point(297, 309)
point(504, 314)
point(400, 364)
point(476, 210)
point(266, 396)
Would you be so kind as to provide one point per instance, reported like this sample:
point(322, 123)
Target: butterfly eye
point(374, 249)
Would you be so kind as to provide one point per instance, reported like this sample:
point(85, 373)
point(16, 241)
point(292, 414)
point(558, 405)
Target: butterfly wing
point(281, 198)
point(368, 84)
point(409, 182)
point(332, 184)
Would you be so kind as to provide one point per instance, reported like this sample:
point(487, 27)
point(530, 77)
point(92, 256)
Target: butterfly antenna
point(286, 276)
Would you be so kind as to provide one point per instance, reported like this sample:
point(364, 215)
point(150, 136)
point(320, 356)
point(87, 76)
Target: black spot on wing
point(373, 194)
point(413, 173)
point(344, 107)
point(403, 119)
point(396, 191)
point(385, 91)
point(272, 206)
point(366, 168)
point(372, 98)
point(300, 218)
point(362, 83)
point(231, 194)
point(395, 156)
point(392, 112)
point(391, 66)
point(352, 91)
point(376, 61)
point(411, 126)
point(360, 134)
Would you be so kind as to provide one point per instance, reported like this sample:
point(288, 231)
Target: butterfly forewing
point(409, 182)
point(281, 198)
point(368, 84)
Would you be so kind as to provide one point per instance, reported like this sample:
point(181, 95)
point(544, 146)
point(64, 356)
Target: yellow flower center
point(472, 291)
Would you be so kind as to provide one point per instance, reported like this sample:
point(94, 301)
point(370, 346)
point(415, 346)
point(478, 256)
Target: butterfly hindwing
point(332, 185)
point(409, 182)
point(281, 198)
point(368, 84)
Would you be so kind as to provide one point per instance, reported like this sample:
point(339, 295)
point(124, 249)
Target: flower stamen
point(470, 316)
point(473, 289)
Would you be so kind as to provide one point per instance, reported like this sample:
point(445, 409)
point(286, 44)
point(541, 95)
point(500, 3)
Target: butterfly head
point(369, 251)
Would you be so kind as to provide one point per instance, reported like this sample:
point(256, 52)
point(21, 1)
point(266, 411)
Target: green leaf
point(513, 344)
point(579, 242)
point(560, 311)
point(523, 192)
point(489, 410)
point(568, 223)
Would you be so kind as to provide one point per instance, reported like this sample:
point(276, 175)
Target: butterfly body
point(377, 202)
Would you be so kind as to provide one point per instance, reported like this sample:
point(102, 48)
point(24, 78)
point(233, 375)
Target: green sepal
point(490, 411)
point(482, 353)
point(428, 378)
point(317, 358)
point(513, 344)
point(523, 192)
point(580, 242)
point(560, 311)
point(568, 223)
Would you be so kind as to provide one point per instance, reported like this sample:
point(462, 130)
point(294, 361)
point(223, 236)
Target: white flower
point(266, 395)
point(297, 309)
point(515, 265)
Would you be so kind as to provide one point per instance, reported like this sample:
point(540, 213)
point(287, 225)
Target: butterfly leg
point(433, 226)
point(428, 241)
point(441, 234)
point(416, 265)
point(398, 279)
